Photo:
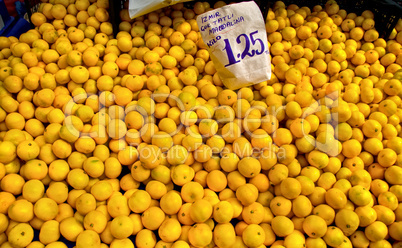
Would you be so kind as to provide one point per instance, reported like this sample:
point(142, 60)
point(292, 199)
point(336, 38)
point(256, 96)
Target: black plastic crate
point(386, 15)
point(386, 12)
point(114, 11)
point(31, 7)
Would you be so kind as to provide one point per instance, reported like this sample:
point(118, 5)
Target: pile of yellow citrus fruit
point(133, 141)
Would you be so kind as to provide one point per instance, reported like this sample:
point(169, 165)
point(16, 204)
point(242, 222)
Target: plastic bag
point(138, 8)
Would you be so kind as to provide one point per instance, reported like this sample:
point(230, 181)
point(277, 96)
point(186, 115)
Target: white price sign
point(237, 41)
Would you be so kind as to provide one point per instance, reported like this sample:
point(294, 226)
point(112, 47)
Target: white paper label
point(237, 41)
